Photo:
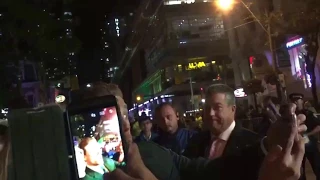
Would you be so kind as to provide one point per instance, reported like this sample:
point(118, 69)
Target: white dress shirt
point(226, 134)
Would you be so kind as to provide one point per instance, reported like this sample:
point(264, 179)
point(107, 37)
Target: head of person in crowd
point(297, 98)
point(4, 150)
point(166, 118)
point(92, 151)
point(99, 89)
point(220, 108)
point(145, 125)
point(307, 105)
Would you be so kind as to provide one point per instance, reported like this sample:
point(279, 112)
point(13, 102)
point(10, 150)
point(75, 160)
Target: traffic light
point(252, 59)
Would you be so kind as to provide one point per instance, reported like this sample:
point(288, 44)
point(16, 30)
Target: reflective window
point(193, 27)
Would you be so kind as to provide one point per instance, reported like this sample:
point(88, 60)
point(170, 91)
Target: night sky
point(89, 15)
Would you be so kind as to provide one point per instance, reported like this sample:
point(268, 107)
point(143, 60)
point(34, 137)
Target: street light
point(138, 98)
point(225, 4)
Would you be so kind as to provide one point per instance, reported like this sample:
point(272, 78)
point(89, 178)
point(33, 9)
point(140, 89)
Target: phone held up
point(96, 131)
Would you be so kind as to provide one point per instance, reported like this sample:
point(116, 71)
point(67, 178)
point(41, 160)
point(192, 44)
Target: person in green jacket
point(93, 157)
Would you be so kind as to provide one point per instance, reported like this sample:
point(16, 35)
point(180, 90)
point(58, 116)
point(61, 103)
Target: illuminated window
point(194, 27)
point(176, 2)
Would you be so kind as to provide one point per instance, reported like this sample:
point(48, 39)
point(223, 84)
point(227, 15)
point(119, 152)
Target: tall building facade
point(177, 48)
point(114, 30)
point(61, 66)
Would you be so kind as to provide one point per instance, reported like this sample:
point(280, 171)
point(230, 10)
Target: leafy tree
point(304, 20)
point(295, 18)
point(32, 34)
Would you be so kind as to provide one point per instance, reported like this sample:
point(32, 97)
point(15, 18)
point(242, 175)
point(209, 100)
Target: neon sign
point(294, 43)
point(196, 65)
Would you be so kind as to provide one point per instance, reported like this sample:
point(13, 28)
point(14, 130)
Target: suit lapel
point(206, 144)
point(232, 143)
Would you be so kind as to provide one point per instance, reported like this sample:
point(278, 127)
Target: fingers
point(135, 162)
point(302, 128)
point(288, 112)
point(292, 137)
point(301, 119)
point(126, 132)
point(292, 108)
point(274, 153)
point(133, 150)
point(298, 155)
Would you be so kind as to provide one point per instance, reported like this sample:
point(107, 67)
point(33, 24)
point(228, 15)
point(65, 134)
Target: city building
point(102, 34)
point(114, 30)
point(176, 49)
point(34, 70)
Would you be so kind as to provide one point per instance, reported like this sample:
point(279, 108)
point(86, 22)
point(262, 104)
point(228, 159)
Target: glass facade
point(196, 27)
point(198, 71)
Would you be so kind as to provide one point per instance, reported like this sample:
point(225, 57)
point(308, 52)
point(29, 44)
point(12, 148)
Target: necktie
point(217, 148)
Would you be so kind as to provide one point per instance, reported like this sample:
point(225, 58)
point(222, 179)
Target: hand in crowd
point(136, 170)
point(286, 147)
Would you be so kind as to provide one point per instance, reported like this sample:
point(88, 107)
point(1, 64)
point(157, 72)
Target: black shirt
point(312, 121)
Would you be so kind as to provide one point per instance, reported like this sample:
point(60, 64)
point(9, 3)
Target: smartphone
point(39, 144)
point(96, 131)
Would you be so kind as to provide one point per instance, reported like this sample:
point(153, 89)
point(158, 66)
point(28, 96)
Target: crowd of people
point(223, 149)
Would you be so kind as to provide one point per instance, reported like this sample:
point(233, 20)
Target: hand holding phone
point(98, 125)
point(135, 168)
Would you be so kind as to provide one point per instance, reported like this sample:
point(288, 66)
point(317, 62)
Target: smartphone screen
point(97, 142)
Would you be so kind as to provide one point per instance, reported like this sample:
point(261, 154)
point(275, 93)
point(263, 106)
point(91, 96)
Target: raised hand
point(286, 148)
point(136, 170)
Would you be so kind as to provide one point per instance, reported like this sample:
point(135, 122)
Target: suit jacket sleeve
point(244, 166)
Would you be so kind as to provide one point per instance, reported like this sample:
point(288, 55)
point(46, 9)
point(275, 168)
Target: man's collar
point(226, 134)
point(97, 169)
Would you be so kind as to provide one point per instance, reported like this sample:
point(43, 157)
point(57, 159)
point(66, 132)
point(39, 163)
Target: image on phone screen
point(97, 142)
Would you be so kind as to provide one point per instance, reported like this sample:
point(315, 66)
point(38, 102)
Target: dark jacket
point(176, 142)
point(240, 138)
point(142, 138)
point(167, 165)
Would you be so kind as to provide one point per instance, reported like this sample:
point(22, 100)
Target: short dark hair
point(161, 105)
point(84, 142)
point(223, 89)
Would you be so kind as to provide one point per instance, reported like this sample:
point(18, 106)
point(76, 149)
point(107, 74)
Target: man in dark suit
point(224, 135)
point(166, 165)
